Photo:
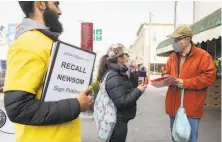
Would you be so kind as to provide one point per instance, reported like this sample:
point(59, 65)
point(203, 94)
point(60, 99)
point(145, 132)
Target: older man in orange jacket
point(195, 71)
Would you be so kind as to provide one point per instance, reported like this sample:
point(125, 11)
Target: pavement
point(151, 123)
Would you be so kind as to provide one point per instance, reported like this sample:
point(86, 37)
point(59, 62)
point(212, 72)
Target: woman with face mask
point(120, 89)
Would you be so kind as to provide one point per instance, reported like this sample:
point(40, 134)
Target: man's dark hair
point(27, 7)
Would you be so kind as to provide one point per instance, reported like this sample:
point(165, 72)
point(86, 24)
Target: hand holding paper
point(178, 83)
point(69, 73)
point(164, 81)
point(142, 87)
point(85, 100)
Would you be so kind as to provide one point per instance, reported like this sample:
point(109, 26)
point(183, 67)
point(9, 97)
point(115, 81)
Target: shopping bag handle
point(182, 97)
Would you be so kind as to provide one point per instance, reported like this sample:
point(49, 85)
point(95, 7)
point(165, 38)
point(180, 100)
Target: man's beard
point(51, 20)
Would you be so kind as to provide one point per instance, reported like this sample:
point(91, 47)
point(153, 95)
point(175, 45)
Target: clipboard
point(69, 72)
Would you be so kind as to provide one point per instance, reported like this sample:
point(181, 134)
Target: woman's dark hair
point(104, 61)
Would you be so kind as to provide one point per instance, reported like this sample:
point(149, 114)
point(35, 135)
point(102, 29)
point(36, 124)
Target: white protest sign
point(70, 72)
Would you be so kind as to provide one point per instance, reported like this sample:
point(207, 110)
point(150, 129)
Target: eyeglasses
point(179, 38)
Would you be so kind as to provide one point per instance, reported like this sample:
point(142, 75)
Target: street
point(151, 123)
point(53, 50)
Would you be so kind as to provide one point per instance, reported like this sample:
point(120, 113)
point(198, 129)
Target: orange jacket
point(198, 72)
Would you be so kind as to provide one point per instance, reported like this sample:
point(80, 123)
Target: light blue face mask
point(128, 66)
point(177, 47)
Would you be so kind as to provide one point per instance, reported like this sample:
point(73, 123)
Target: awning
point(211, 34)
point(167, 50)
point(207, 28)
point(165, 47)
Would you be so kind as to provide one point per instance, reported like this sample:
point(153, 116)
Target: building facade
point(143, 50)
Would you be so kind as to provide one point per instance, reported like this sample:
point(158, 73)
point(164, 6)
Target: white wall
point(204, 8)
point(141, 46)
point(137, 48)
point(160, 33)
point(146, 51)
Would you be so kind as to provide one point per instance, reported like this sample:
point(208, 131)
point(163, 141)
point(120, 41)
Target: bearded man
point(27, 63)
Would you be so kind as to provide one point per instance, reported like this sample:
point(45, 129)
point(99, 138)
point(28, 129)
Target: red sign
point(87, 36)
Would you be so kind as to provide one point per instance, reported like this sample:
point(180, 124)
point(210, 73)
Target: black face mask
point(51, 20)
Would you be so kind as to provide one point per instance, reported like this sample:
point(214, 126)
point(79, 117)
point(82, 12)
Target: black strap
point(52, 35)
point(46, 72)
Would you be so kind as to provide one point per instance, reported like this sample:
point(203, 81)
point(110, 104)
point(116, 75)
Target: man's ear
point(41, 5)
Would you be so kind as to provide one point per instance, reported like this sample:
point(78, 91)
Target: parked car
point(2, 72)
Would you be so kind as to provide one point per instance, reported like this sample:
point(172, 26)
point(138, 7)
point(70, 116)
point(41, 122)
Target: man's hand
point(178, 83)
point(165, 74)
point(85, 100)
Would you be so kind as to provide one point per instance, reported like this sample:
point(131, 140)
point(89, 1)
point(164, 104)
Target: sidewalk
point(151, 123)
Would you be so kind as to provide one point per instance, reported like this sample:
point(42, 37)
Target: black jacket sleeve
point(134, 79)
point(23, 108)
point(119, 95)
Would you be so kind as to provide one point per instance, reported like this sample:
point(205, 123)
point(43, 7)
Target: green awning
point(209, 22)
point(165, 43)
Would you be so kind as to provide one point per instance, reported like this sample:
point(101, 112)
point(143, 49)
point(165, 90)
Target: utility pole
point(175, 14)
point(194, 3)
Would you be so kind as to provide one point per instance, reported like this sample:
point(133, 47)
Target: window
point(212, 48)
point(204, 45)
point(218, 48)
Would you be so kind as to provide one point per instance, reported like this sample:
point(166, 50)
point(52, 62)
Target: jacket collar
point(192, 51)
point(30, 25)
point(52, 35)
point(117, 67)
